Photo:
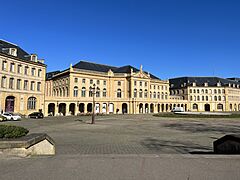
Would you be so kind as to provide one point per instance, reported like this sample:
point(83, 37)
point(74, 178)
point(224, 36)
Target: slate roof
point(212, 81)
point(21, 54)
point(105, 68)
point(49, 75)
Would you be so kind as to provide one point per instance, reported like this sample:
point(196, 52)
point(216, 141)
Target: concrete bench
point(32, 144)
point(228, 144)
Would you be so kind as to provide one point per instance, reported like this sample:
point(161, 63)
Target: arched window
point(158, 96)
point(219, 91)
point(202, 98)
point(215, 98)
point(145, 93)
point(166, 95)
point(135, 93)
point(83, 92)
point(119, 93)
point(219, 98)
point(195, 106)
point(98, 92)
point(140, 93)
point(31, 105)
point(206, 91)
point(90, 92)
point(198, 98)
point(206, 98)
point(104, 92)
point(162, 95)
point(75, 91)
point(154, 95)
point(194, 91)
point(215, 91)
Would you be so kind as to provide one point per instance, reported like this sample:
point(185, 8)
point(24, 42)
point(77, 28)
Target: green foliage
point(10, 131)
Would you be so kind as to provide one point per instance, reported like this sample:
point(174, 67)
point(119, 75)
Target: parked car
point(178, 109)
point(2, 118)
point(11, 116)
point(36, 115)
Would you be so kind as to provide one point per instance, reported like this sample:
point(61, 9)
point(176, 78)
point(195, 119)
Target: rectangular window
point(104, 83)
point(33, 71)
point(98, 82)
point(3, 83)
point(38, 86)
point(39, 72)
point(12, 67)
point(91, 81)
point(135, 83)
point(4, 65)
point(32, 86)
point(11, 83)
point(19, 69)
point(140, 83)
point(76, 80)
point(83, 80)
point(19, 84)
point(25, 87)
point(26, 70)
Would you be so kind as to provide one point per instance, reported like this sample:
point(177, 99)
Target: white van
point(178, 109)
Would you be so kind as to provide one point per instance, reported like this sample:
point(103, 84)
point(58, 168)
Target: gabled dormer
point(10, 51)
point(33, 57)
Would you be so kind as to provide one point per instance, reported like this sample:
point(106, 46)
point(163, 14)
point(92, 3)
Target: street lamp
point(93, 106)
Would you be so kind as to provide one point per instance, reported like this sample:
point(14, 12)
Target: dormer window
point(13, 51)
point(218, 84)
point(194, 84)
point(205, 84)
point(34, 57)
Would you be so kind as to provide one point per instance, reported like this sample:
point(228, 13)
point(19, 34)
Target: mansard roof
point(188, 81)
point(21, 54)
point(105, 68)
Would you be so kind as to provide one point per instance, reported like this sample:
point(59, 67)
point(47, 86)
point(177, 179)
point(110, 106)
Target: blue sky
point(168, 37)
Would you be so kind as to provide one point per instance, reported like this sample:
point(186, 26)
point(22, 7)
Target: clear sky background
point(169, 38)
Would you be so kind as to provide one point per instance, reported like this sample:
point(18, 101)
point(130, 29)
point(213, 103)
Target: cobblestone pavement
point(131, 134)
point(126, 147)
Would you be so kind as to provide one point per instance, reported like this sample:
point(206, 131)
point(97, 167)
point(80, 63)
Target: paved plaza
point(127, 147)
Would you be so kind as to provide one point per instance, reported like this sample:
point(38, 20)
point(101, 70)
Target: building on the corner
point(207, 93)
point(22, 80)
point(123, 89)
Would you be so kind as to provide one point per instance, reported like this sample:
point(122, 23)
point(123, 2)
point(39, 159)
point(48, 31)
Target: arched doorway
point(51, 109)
point(89, 107)
point(111, 108)
point(166, 107)
point(104, 108)
point(9, 104)
point(140, 108)
point(151, 108)
point(220, 107)
point(162, 107)
point(124, 108)
point(146, 108)
point(62, 109)
point(159, 107)
point(72, 108)
point(207, 107)
point(81, 107)
point(185, 107)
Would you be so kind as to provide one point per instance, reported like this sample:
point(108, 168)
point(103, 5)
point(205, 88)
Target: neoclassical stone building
point(123, 89)
point(207, 93)
point(22, 80)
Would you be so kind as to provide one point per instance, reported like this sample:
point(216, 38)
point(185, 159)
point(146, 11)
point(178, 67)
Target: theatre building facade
point(22, 80)
point(117, 90)
point(207, 93)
